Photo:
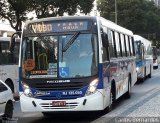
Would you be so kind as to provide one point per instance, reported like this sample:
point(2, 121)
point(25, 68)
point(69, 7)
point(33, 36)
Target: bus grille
point(60, 86)
point(68, 106)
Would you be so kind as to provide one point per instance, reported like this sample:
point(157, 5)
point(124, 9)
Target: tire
point(144, 77)
point(155, 67)
point(110, 107)
point(150, 75)
point(111, 104)
point(47, 114)
point(8, 113)
point(128, 93)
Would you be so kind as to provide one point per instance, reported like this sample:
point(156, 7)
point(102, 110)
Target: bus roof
point(113, 26)
point(104, 21)
point(8, 39)
point(5, 38)
point(138, 37)
point(60, 18)
point(143, 40)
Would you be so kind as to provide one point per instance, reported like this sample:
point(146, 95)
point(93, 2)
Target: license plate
point(58, 103)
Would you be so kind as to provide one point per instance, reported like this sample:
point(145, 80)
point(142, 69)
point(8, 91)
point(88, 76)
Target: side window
point(127, 45)
point(16, 52)
point(132, 39)
point(117, 41)
point(2, 87)
point(123, 45)
point(131, 46)
point(111, 41)
point(5, 54)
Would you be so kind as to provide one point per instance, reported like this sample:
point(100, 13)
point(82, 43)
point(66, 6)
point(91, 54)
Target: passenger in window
point(85, 50)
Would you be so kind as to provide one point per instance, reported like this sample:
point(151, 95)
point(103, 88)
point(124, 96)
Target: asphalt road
point(142, 94)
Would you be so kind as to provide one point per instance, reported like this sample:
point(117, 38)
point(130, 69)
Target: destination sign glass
point(58, 26)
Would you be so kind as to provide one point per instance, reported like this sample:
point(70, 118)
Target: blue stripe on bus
point(140, 63)
point(63, 94)
point(100, 84)
point(20, 85)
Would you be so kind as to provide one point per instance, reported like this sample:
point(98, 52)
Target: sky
point(6, 26)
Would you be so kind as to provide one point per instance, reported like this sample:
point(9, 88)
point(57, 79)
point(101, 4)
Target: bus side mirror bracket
point(13, 38)
point(104, 39)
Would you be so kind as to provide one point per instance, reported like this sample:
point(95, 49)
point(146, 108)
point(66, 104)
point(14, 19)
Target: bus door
point(142, 57)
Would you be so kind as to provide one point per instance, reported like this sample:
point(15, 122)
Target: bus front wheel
point(110, 107)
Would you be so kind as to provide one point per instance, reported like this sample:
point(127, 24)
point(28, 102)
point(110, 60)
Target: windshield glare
point(45, 57)
point(138, 50)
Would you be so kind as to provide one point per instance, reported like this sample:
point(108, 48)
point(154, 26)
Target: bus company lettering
point(41, 93)
point(39, 72)
point(41, 27)
point(58, 81)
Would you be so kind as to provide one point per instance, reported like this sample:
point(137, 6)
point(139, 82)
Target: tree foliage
point(50, 8)
point(15, 11)
point(140, 16)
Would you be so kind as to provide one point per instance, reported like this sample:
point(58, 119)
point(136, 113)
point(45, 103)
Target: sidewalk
point(149, 107)
point(145, 110)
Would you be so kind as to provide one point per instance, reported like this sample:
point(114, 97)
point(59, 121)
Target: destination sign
point(61, 26)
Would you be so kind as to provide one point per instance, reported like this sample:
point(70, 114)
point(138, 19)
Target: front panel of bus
point(59, 66)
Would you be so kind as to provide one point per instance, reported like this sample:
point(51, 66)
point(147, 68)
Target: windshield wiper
point(70, 42)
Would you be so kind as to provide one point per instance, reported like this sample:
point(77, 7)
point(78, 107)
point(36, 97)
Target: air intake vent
point(60, 86)
point(47, 106)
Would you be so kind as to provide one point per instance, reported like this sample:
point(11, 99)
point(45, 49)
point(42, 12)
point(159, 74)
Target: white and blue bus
point(75, 64)
point(144, 57)
point(9, 58)
point(156, 57)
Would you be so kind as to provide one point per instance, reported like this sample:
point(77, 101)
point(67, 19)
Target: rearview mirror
point(104, 38)
point(13, 38)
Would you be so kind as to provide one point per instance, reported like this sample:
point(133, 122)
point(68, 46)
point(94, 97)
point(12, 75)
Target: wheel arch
point(9, 82)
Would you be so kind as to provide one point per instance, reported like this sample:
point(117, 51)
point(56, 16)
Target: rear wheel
point(144, 75)
point(155, 67)
point(47, 114)
point(128, 93)
point(150, 75)
point(8, 113)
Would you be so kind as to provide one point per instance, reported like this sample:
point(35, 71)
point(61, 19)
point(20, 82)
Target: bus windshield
point(138, 50)
point(45, 57)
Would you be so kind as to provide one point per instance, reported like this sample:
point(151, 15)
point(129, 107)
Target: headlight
point(27, 90)
point(92, 87)
point(137, 68)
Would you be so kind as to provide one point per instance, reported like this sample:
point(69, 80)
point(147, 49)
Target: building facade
point(6, 30)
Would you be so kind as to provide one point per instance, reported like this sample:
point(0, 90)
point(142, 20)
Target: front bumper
point(94, 102)
point(140, 73)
